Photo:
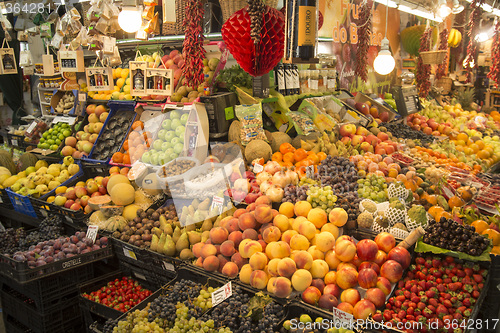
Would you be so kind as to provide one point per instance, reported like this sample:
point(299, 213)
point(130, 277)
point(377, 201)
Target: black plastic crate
point(490, 308)
point(164, 266)
point(14, 326)
point(20, 271)
point(5, 200)
point(46, 292)
point(145, 274)
point(126, 252)
point(64, 318)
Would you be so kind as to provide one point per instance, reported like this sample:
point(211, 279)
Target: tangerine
point(480, 226)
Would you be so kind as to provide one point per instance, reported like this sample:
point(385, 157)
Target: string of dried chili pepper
point(423, 71)
point(472, 30)
point(364, 32)
point(443, 46)
point(193, 50)
point(494, 73)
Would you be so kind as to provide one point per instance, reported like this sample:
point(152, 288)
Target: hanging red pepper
point(423, 70)
point(443, 46)
point(193, 50)
point(494, 73)
point(472, 31)
point(364, 33)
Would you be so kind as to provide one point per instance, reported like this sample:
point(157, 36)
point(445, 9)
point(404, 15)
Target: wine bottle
point(306, 29)
point(289, 79)
point(279, 78)
point(296, 79)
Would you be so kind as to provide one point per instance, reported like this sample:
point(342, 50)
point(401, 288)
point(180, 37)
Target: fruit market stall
point(255, 174)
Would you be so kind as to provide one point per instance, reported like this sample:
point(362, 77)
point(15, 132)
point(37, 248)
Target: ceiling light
point(384, 63)
point(443, 9)
point(457, 7)
point(130, 18)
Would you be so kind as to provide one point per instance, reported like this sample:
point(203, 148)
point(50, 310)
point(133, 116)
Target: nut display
point(176, 168)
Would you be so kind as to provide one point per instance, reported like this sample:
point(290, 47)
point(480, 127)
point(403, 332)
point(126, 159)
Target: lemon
point(128, 97)
point(117, 73)
point(120, 82)
point(124, 73)
point(126, 89)
point(127, 81)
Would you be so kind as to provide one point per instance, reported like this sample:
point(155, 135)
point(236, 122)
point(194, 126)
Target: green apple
point(161, 134)
point(146, 157)
point(178, 148)
point(166, 124)
point(169, 136)
point(157, 144)
point(161, 158)
point(174, 141)
point(175, 114)
point(173, 156)
point(169, 151)
point(181, 138)
point(180, 130)
point(154, 158)
point(175, 123)
point(184, 118)
point(165, 146)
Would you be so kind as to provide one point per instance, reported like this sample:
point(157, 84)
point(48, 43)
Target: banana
point(454, 38)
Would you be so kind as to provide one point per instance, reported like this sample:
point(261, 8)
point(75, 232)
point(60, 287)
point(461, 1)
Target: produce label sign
point(342, 317)
point(92, 232)
point(221, 294)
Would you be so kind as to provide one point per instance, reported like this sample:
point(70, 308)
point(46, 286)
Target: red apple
point(311, 295)
point(328, 302)
point(347, 129)
point(332, 289)
point(318, 283)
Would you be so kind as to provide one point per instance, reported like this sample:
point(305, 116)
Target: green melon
point(7, 162)
point(26, 160)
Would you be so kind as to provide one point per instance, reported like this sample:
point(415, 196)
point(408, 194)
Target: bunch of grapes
point(9, 240)
point(350, 203)
point(295, 193)
point(137, 322)
point(50, 228)
point(322, 197)
point(109, 325)
point(339, 173)
point(373, 187)
point(308, 181)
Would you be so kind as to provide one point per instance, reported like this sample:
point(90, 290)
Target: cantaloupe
point(116, 223)
point(122, 194)
point(142, 200)
point(98, 201)
point(7, 162)
point(130, 212)
point(97, 218)
point(117, 179)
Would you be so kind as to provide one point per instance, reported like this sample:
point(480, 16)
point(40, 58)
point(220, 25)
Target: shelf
point(45, 103)
point(43, 75)
point(46, 89)
point(174, 39)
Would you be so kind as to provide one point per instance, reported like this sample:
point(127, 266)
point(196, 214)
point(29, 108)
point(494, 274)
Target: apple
point(347, 130)
point(384, 116)
point(175, 123)
point(332, 289)
point(174, 141)
point(392, 271)
point(146, 157)
point(367, 278)
point(157, 144)
point(363, 309)
point(369, 264)
point(357, 139)
point(311, 295)
point(180, 130)
point(362, 131)
point(376, 296)
point(366, 146)
point(184, 118)
point(366, 249)
point(363, 108)
point(178, 148)
point(166, 124)
point(161, 134)
point(169, 136)
point(154, 158)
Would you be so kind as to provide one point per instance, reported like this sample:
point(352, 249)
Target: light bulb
point(130, 19)
point(384, 63)
point(457, 7)
point(443, 9)
point(482, 37)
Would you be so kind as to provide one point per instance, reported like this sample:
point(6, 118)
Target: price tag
point(310, 171)
point(342, 317)
point(221, 294)
point(92, 232)
point(258, 168)
point(1, 201)
point(82, 98)
point(168, 266)
point(44, 213)
point(69, 219)
point(229, 111)
point(14, 142)
point(67, 120)
point(129, 254)
point(218, 202)
point(31, 127)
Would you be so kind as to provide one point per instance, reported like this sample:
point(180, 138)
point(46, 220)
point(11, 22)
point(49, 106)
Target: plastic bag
point(115, 59)
point(322, 121)
point(250, 117)
point(303, 124)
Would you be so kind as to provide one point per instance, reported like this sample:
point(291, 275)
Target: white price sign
point(92, 232)
point(218, 202)
point(310, 171)
point(342, 317)
point(129, 253)
point(221, 294)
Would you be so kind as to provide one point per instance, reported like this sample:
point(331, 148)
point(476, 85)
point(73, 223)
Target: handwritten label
point(342, 317)
point(14, 142)
point(82, 98)
point(129, 254)
point(67, 120)
point(218, 203)
point(221, 294)
point(92, 232)
point(310, 171)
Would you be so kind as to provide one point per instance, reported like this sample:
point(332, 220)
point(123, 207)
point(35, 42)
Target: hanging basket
point(229, 7)
point(433, 57)
point(445, 83)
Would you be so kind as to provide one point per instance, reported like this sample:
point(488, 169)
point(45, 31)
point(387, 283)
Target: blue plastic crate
point(114, 108)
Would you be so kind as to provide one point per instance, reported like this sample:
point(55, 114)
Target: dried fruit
point(443, 45)
point(494, 73)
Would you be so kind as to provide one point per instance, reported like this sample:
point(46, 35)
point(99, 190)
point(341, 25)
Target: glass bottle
point(138, 80)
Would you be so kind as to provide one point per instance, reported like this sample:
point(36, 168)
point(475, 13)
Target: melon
point(116, 223)
point(277, 139)
point(116, 179)
point(98, 201)
point(122, 194)
point(97, 218)
point(130, 212)
point(150, 184)
point(234, 132)
point(109, 211)
point(142, 200)
point(5, 171)
point(3, 178)
point(7, 162)
point(26, 160)
point(10, 181)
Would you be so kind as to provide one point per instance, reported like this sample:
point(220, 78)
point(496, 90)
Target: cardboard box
point(136, 88)
point(362, 98)
point(99, 78)
point(71, 61)
point(220, 112)
point(56, 97)
point(159, 77)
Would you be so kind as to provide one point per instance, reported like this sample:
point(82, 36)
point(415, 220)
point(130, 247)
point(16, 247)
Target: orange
point(117, 157)
point(286, 147)
point(126, 159)
point(313, 157)
point(125, 145)
point(480, 226)
point(493, 235)
point(321, 156)
point(137, 124)
point(446, 215)
point(434, 210)
point(277, 156)
point(455, 202)
point(299, 154)
point(288, 157)
point(149, 142)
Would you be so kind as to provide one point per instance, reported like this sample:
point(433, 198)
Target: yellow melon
point(5, 171)
point(130, 212)
point(122, 194)
point(116, 179)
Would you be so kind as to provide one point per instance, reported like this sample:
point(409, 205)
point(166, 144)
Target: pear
point(154, 242)
point(156, 231)
point(186, 254)
point(191, 210)
point(189, 220)
point(194, 237)
point(204, 205)
point(195, 203)
point(207, 225)
point(182, 243)
point(176, 235)
point(205, 235)
point(196, 217)
point(163, 222)
point(190, 227)
point(177, 224)
point(161, 243)
point(169, 247)
point(168, 229)
point(185, 210)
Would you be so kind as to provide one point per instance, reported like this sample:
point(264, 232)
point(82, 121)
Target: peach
point(319, 269)
point(345, 250)
point(338, 216)
point(344, 237)
point(311, 295)
point(281, 222)
point(380, 258)
point(225, 221)
point(211, 263)
point(332, 260)
point(346, 307)
point(301, 279)
point(239, 212)
point(299, 242)
point(318, 217)
point(245, 273)
point(369, 264)
point(356, 261)
point(384, 285)
point(197, 249)
point(347, 278)
point(263, 214)
point(251, 207)
point(297, 222)
point(208, 250)
point(331, 228)
point(367, 278)
point(325, 241)
point(401, 255)
point(230, 269)
point(286, 267)
point(287, 235)
point(271, 234)
point(318, 283)
point(272, 267)
point(239, 260)
point(282, 287)
point(263, 244)
point(222, 261)
point(258, 279)
point(263, 200)
point(250, 234)
point(385, 241)
point(392, 271)
point(363, 309)
point(232, 225)
point(236, 237)
point(331, 277)
point(247, 249)
point(350, 296)
point(366, 249)
point(328, 302)
point(278, 250)
point(270, 285)
point(247, 221)
point(315, 253)
point(227, 248)
point(303, 259)
point(258, 261)
point(376, 296)
point(302, 208)
point(307, 229)
point(287, 209)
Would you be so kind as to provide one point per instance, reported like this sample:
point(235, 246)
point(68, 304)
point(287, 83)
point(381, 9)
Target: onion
point(262, 177)
point(272, 167)
point(275, 193)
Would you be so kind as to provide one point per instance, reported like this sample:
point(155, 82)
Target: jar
point(313, 81)
point(56, 67)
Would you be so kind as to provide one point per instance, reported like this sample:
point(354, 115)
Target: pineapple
point(465, 97)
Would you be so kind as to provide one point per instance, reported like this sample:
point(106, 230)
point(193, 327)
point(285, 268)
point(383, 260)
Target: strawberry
point(439, 280)
point(431, 293)
point(387, 315)
point(421, 319)
point(441, 310)
point(467, 312)
point(427, 313)
point(400, 298)
point(457, 316)
point(475, 294)
point(410, 275)
point(401, 284)
point(478, 278)
point(433, 302)
point(398, 304)
point(410, 311)
point(421, 305)
point(378, 317)
point(460, 309)
point(447, 318)
point(425, 271)
point(401, 314)
point(447, 303)
point(428, 263)
point(452, 287)
point(441, 287)
point(436, 263)
point(454, 278)
point(417, 312)
point(420, 275)
point(476, 268)
point(415, 299)
point(461, 273)
point(414, 288)
point(388, 306)
point(420, 260)
point(483, 272)
point(410, 317)
point(468, 271)
point(449, 260)
point(467, 288)
point(467, 302)
point(447, 280)
point(424, 299)
point(391, 300)
point(428, 285)
point(480, 285)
